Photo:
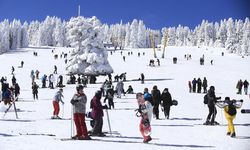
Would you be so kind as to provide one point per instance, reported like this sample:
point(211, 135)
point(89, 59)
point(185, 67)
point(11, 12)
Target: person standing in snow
point(57, 98)
point(55, 69)
point(204, 85)
point(245, 85)
point(194, 82)
point(97, 114)
point(212, 99)
point(156, 95)
point(166, 102)
point(190, 86)
point(239, 86)
point(119, 89)
point(51, 81)
point(148, 110)
point(78, 102)
point(35, 90)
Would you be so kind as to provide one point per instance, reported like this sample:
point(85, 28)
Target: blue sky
point(155, 13)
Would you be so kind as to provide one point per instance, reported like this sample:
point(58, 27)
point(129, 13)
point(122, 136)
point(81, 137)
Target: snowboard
point(245, 111)
point(174, 102)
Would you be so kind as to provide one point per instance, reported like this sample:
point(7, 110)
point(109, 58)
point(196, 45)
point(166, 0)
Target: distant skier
point(12, 70)
point(130, 90)
point(22, 64)
point(16, 90)
point(13, 80)
point(37, 74)
point(51, 81)
point(194, 82)
point(211, 106)
point(119, 88)
point(55, 69)
point(145, 108)
point(239, 86)
point(199, 84)
point(166, 102)
point(44, 79)
point(35, 90)
point(57, 98)
point(79, 101)
point(190, 86)
point(142, 78)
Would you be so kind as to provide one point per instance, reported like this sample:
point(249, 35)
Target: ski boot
point(228, 133)
point(207, 123)
point(233, 135)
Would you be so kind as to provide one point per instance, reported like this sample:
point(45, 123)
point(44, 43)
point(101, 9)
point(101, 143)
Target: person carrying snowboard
point(57, 98)
point(145, 110)
point(79, 101)
point(166, 102)
point(230, 112)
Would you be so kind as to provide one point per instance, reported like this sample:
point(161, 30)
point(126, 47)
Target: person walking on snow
point(148, 110)
point(245, 85)
point(166, 102)
point(78, 102)
point(35, 90)
point(156, 96)
point(57, 98)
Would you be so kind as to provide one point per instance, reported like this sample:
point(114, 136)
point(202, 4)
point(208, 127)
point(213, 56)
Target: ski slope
point(184, 129)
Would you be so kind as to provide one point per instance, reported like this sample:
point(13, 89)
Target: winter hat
point(212, 88)
point(79, 87)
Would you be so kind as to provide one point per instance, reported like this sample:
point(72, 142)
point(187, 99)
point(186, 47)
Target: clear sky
point(155, 13)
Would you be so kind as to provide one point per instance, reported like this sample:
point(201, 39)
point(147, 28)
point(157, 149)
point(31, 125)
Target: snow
point(182, 131)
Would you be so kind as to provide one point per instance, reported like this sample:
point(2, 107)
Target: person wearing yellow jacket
point(230, 112)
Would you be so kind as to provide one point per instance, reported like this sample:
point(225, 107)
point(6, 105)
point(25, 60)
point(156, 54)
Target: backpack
point(231, 109)
point(205, 101)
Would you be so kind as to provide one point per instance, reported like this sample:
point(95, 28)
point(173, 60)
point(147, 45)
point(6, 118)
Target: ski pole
point(109, 122)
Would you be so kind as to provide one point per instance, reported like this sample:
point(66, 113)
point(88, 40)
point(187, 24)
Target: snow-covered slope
point(182, 131)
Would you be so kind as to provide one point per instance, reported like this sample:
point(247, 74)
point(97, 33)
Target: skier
point(245, 85)
point(211, 106)
point(7, 95)
point(79, 101)
point(13, 80)
point(35, 90)
point(44, 78)
point(57, 98)
point(16, 90)
point(110, 96)
point(37, 74)
point(156, 96)
point(146, 110)
point(60, 82)
point(51, 81)
point(97, 114)
point(22, 64)
point(230, 112)
point(166, 102)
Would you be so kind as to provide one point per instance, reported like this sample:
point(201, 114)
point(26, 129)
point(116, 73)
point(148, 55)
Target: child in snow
point(148, 109)
point(79, 101)
point(57, 98)
point(230, 112)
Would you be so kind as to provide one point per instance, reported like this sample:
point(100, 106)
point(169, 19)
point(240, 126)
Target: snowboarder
point(35, 90)
point(230, 112)
point(79, 101)
point(97, 114)
point(166, 102)
point(156, 96)
point(245, 85)
point(211, 106)
point(145, 110)
point(57, 98)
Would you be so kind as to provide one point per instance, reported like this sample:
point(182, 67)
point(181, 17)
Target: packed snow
point(184, 130)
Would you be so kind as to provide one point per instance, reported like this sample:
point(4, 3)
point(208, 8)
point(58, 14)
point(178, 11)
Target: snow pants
point(142, 132)
point(56, 108)
point(230, 125)
point(98, 123)
point(212, 112)
point(81, 128)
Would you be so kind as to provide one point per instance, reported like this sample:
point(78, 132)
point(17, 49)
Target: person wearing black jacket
point(156, 96)
point(212, 99)
point(166, 102)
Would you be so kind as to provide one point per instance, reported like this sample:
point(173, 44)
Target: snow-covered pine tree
point(89, 57)
point(4, 36)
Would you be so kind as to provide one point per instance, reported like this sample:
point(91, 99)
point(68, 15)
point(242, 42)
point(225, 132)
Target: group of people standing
point(198, 85)
point(241, 84)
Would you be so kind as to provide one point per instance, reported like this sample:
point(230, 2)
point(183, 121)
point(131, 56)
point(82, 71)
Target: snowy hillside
point(184, 129)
